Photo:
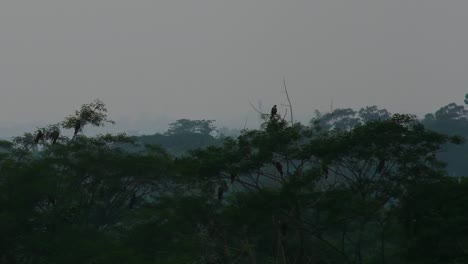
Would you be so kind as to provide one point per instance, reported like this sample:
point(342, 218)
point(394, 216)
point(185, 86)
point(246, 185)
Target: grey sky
point(169, 59)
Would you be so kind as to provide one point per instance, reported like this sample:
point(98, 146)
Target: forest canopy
point(362, 186)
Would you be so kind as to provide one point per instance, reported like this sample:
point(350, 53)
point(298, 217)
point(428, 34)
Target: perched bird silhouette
point(54, 135)
point(39, 136)
point(221, 190)
point(274, 111)
point(51, 199)
point(132, 201)
point(220, 193)
point(325, 170)
point(381, 166)
point(284, 228)
point(233, 177)
point(77, 127)
point(279, 167)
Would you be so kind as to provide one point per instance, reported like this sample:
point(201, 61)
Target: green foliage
point(183, 135)
point(94, 113)
point(347, 119)
point(452, 120)
point(367, 188)
point(186, 126)
point(178, 144)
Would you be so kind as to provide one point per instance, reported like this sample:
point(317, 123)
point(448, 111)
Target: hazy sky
point(169, 59)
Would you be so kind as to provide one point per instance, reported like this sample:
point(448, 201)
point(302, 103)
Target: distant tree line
point(351, 187)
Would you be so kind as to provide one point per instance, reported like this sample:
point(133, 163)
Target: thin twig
point(258, 111)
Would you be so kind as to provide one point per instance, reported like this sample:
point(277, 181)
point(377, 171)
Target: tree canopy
point(351, 187)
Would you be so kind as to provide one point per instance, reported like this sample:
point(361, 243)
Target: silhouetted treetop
point(187, 126)
point(94, 113)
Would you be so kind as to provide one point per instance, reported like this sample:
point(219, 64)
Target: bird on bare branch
point(274, 112)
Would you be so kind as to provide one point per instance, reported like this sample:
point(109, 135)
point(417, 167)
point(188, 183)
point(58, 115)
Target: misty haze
point(231, 132)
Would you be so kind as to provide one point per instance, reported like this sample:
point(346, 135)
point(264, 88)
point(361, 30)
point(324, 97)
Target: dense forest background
point(351, 186)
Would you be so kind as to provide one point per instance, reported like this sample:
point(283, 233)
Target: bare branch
point(256, 110)
point(289, 101)
point(285, 113)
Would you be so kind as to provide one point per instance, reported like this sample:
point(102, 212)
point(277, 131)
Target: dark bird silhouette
point(381, 166)
point(77, 127)
point(220, 193)
point(279, 167)
point(39, 136)
point(325, 170)
point(221, 190)
point(132, 201)
point(233, 177)
point(54, 135)
point(51, 199)
point(274, 111)
point(283, 228)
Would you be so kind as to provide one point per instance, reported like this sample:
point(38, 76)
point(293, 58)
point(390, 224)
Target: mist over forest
point(347, 186)
point(233, 132)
